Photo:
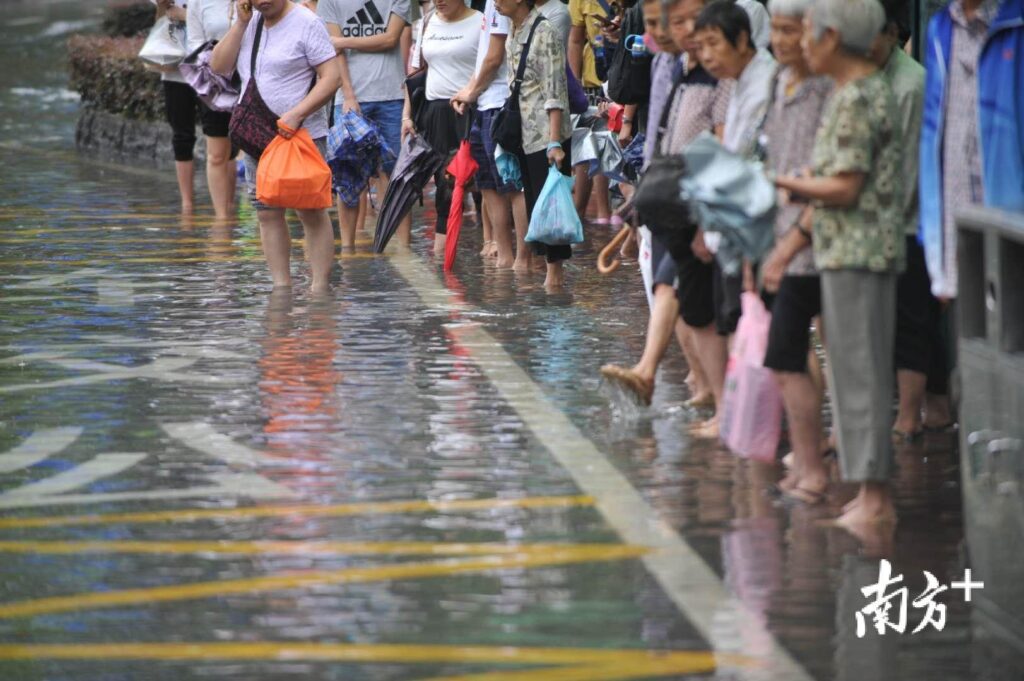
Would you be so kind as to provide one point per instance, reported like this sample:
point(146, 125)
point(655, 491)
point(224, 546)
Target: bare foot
point(706, 430)
point(492, 250)
point(640, 386)
point(503, 264)
point(702, 399)
point(439, 241)
point(521, 265)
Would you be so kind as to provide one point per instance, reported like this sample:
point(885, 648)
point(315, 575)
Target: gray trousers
point(859, 310)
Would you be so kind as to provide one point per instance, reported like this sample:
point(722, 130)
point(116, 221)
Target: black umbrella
point(417, 163)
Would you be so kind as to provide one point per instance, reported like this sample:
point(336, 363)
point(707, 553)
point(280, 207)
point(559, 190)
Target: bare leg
point(555, 278)
point(808, 475)
point(319, 247)
point(713, 354)
point(602, 198)
point(581, 191)
point(277, 245)
point(348, 219)
point(486, 222)
point(186, 172)
point(439, 243)
point(938, 413)
point(220, 175)
point(911, 387)
point(498, 213)
point(404, 232)
point(699, 389)
point(522, 223)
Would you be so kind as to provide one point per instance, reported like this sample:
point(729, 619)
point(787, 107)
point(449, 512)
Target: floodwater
point(420, 477)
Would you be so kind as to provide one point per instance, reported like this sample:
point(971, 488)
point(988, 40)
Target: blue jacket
point(1000, 124)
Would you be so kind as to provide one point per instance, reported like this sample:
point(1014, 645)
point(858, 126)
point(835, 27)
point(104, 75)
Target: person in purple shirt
point(294, 46)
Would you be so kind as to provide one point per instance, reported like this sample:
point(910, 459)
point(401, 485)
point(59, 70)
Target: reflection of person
point(294, 48)
point(210, 20)
point(298, 379)
point(858, 242)
point(544, 105)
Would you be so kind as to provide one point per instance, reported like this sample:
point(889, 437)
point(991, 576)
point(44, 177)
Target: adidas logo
point(366, 22)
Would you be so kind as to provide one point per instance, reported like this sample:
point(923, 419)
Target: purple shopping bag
point(751, 418)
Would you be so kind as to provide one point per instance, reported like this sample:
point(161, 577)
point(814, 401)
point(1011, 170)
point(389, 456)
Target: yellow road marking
point(164, 261)
point(361, 575)
point(570, 664)
point(372, 508)
point(305, 548)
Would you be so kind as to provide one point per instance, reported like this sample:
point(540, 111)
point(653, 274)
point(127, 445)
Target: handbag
point(507, 126)
point(629, 76)
point(165, 44)
point(657, 198)
point(578, 102)
point(253, 125)
point(216, 92)
point(293, 174)
point(416, 82)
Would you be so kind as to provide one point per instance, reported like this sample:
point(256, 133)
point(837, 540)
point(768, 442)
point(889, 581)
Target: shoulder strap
point(521, 68)
point(423, 35)
point(255, 47)
point(667, 111)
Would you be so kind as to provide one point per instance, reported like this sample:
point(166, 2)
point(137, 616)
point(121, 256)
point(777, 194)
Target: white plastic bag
point(165, 45)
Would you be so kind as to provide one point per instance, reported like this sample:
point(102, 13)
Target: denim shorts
point(250, 174)
point(387, 118)
point(482, 145)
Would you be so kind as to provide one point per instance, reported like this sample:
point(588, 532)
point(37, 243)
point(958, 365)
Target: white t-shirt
point(450, 52)
point(207, 20)
point(288, 55)
point(497, 92)
point(760, 23)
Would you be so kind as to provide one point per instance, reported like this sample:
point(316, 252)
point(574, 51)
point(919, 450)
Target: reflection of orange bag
point(293, 174)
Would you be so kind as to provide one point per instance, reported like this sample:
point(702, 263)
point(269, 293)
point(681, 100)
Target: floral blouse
point(858, 135)
point(544, 86)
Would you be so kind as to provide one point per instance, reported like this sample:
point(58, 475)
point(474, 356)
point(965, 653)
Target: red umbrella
point(462, 168)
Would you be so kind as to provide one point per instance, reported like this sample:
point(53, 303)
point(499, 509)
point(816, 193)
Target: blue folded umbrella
point(355, 152)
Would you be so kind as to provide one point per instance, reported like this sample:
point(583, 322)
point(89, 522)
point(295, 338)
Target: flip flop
point(945, 428)
point(642, 389)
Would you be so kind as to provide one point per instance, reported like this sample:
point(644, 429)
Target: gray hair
point(858, 22)
point(789, 8)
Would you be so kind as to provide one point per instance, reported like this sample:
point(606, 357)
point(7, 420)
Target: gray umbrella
point(417, 163)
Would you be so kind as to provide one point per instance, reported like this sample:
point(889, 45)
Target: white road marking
point(203, 438)
point(97, 468)
point(39, 446)
point(115, 292)
point(694, 588)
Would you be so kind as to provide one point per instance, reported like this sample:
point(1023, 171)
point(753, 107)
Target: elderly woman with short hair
point(793, 118)
point(856, 189)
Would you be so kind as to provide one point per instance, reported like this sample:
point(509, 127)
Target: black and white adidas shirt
point(376, 76)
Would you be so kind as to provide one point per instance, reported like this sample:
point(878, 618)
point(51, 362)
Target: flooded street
point(419, 477)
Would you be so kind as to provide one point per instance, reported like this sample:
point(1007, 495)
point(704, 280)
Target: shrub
point(109, 76)
point(128, 19)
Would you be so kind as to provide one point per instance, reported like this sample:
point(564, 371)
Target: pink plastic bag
point(751, 419)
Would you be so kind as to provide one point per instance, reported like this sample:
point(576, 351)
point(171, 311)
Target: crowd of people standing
point(823, 92)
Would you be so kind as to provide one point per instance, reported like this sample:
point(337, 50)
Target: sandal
point(641, 388)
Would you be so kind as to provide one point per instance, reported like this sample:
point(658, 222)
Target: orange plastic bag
point(293, 174)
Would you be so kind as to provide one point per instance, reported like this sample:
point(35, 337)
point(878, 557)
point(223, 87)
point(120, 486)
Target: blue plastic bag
point(554, 221)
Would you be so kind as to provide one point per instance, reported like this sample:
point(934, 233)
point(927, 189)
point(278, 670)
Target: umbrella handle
point(603, 264)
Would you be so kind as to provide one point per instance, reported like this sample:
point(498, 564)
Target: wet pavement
point(420, 477)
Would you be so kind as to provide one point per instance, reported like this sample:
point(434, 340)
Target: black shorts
point(918, 332)
point(215, 123)
point(663, 266)
point(797, 302)
point(726, 291)
point(695, 290)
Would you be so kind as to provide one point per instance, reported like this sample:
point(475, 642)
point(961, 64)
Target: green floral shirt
point(544, 86)
point(859, 134)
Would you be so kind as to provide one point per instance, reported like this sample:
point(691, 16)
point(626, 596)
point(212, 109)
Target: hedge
point(109, 76)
